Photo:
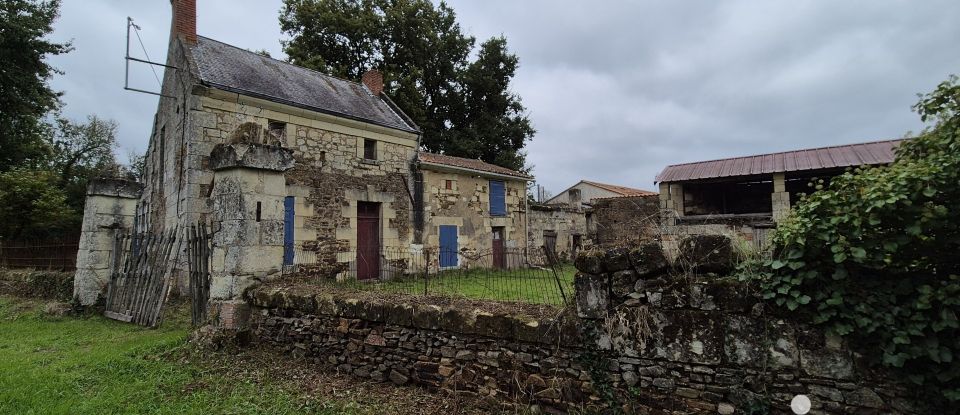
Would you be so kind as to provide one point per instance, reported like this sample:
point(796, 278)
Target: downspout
point(526, 223)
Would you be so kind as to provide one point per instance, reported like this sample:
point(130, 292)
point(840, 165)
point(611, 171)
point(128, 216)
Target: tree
point(80, 152)
point(34, 206)
point(423, 54)
point(25, 95)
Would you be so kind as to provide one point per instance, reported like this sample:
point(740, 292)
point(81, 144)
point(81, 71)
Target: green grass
point(534, 286)
point(92, 365)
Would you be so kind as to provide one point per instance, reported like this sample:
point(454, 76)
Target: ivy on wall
point(875, 256)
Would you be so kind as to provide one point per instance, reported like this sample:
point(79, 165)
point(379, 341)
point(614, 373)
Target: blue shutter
point(498, 198)
point(448, 246)
point(288, 230)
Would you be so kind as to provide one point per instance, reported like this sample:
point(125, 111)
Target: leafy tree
point(423, 54)
point(80, 152)
point(34, 206)
point(25, 95)
point(874, 256)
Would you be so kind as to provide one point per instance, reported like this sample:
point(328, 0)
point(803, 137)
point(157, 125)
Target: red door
point(368, 240)
point(499, 258)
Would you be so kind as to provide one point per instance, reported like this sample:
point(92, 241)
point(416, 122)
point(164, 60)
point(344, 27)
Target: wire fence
point(49, 254)
point(507, 275)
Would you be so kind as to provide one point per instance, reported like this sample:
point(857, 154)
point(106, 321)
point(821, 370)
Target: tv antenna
point(126, 76)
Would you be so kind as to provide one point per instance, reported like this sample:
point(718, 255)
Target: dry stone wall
point(643, 339)
point(626, 220)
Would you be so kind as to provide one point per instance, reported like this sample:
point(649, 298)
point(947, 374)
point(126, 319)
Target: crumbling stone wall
point(626, 220)
point(566, 222)
point(645, 340)
point(467, 206)
point(701, 343)
point(499, 358)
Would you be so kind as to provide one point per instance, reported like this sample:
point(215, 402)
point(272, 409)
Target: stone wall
point(626, 220)
point(565, 222)
point(467, 206)
point(499, 358)
point(702, 343)
point(645, 339)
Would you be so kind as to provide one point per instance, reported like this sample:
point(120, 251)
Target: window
point(498, 198)
point(369, 149)
point(448, 184)
point(277, 130)
point(574, 196)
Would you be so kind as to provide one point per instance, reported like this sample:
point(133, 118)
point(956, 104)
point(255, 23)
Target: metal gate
point(138, 282)
point(198, 256)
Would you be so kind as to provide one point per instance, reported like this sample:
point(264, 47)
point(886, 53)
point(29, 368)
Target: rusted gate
point(198, 257)
point(138, 281)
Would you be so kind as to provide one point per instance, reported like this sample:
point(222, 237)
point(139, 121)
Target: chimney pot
point(373, 80)
point(184, 20)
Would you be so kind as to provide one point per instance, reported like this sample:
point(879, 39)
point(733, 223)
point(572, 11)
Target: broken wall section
point(694, 340)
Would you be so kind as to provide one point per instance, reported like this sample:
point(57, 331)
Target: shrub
point(875, 256)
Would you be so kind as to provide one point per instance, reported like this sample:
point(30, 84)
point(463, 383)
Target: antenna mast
point(128, 58)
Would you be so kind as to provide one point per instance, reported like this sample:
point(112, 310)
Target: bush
point(876, 255)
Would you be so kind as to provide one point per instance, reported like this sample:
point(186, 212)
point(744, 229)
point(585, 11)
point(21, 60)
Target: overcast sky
point(616, 90)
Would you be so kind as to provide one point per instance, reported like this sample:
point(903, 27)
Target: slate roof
point(861, 154)
point(621, 190)
point(238, 70)
point(471, 164)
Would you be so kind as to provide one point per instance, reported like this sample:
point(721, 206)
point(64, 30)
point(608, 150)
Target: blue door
point(288, 230)
point(448, 246)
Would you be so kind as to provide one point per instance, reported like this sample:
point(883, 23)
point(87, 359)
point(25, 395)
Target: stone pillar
point(780, 198)
point(110, 207)
point(247, 196)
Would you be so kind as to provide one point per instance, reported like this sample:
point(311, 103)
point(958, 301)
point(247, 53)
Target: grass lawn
point(92, 365)
point(527, 285)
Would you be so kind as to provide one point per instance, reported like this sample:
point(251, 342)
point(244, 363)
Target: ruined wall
point(467, 206)
point(566, 222)
point(643, 341)
point(705, 345)
point(626, 220)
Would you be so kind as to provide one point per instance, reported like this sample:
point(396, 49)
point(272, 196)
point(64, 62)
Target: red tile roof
point(861, 154)
point(470, 164)
point(621, 190)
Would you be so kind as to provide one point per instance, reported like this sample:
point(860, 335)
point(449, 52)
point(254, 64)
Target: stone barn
point(744, 197)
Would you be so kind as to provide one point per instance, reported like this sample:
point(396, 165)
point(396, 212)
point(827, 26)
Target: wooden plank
point(117, 316)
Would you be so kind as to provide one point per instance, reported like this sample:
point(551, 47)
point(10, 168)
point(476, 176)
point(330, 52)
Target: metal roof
point(860, 154)
point(469, 164)
point(239, 70)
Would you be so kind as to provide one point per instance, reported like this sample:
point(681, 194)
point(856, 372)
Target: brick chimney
point(184, 20)
point(373, 80)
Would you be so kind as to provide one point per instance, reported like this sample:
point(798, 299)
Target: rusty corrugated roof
point(621, 190)
point(472, 164)
point(860, 154)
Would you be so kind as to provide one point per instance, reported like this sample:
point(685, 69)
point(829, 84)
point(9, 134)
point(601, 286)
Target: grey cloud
point(616, 89)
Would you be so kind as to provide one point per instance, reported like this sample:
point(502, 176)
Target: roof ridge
point(600, 184)
point(515, 172)
point(788, 151)
point(285, 62)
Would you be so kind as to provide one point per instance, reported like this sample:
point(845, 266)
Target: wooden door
point(368, 240)
point(448, 246)
point(550, 241)
point(499, 256)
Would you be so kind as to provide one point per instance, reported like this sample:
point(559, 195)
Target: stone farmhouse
point(744, 197)
point(567, 222)
point(288, 162)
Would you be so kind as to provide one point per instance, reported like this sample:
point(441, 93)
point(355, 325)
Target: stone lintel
point(252, 156)
point(122, 188)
